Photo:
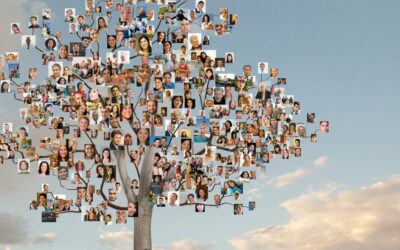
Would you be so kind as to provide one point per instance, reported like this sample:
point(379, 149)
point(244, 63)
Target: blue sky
point(341, 61)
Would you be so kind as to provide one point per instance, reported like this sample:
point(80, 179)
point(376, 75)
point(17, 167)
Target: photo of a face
point(301, 130)
point(324, 126)
point(263, 68)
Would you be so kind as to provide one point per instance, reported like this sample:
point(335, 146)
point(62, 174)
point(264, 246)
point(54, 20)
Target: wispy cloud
point(364, 218)
point(46, 238)
point(186, 245)
point(119, 240)
point(291, 177)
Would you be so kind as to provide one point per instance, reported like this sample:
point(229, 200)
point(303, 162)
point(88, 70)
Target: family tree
point(141, 112)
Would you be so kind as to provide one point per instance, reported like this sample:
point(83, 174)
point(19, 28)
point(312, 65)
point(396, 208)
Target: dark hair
point(47, 43)
point(148, 41)
point(114, 133)
point(47, 169)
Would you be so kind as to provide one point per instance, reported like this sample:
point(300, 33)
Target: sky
point(340, 59)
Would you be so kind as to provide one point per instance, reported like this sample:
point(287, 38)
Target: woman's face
point(202, 193)
point(186, 145)
point(89, 151)
point(177, 102)
point(143, 135)
point(43, 167)
point(94, 35)
point(23, 165)
point(111, 41)
point(94, 94)
point(63, 152)
point(144, 44)
point(42, 200)
point(50, 44)
point(63, 52)
point(167, 47)
point(194, 41)
point(101, 171)
point(131, 209)
point(126, 112)
point(101, 22)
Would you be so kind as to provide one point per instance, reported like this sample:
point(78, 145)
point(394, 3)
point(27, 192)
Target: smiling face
point(111, 41)
point(144, 44)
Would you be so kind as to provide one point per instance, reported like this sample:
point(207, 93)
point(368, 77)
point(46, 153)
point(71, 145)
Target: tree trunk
point(142, 227)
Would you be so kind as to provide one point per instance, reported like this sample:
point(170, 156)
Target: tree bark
point(142, 227)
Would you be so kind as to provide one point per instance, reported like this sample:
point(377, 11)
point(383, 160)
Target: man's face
point(163, 142)
point(247, 70)
point(167, 78)
point(218, 95)
point(112, 194)
point(215, 130)
point(114, 122)
point(171, 127)
point(185, 26)
point(200, 5)
point(262, 67)
point(149, 14)
point(117, 139)
point(151, 107)
point(56, 71)
point(85, 42)
point(33, 21)
point(218, 30)
point(81, 193)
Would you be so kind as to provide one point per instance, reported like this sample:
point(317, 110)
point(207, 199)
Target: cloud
point(190, 245)
point(12, 230)
point(288, 178)
point(254, 193)
point(120, 240)
point(46, 238)
point(364, 218)
point(321, 161)
point(186, 245)
point(123, 240)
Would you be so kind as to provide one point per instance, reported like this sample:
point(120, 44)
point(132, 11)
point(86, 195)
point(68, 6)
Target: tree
point(229, 126)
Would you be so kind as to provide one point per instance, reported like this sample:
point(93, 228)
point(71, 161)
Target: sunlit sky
point(341, 60)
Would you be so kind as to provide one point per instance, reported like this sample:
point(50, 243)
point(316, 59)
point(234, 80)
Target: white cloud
point(186, 245)
point(365, 218)
point(12, 230)
point(288, 178)
point(120, 240)
point(46, 238)
point(254, 193)
point(190, 245)
point(321, 161)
